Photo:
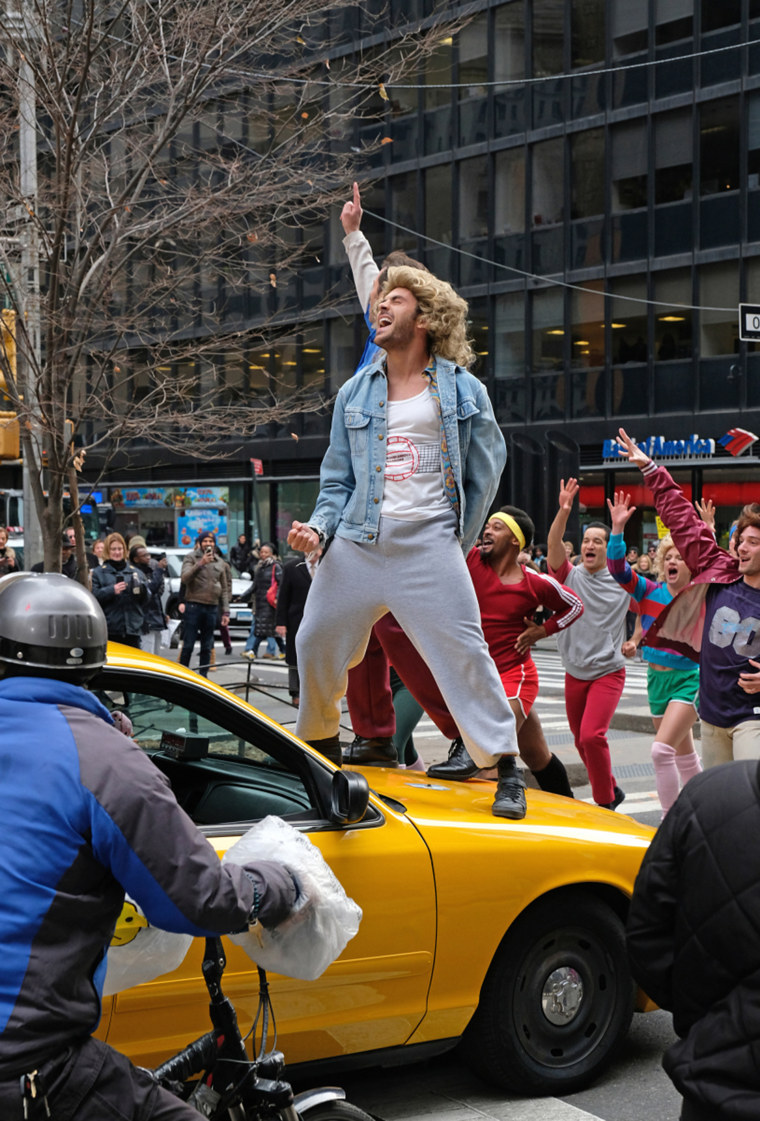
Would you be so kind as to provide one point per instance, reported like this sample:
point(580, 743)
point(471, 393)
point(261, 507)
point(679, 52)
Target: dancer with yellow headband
point(508, 595)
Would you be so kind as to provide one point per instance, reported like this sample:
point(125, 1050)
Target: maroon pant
point(590, 707)
point(369, 698)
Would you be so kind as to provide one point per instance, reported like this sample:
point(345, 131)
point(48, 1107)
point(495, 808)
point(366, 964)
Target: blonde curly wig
point(444, 312)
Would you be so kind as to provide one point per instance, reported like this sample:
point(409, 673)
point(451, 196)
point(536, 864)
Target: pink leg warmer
point(665, 774)
point(688, 766)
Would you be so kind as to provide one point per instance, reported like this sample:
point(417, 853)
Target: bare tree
point(184, 149)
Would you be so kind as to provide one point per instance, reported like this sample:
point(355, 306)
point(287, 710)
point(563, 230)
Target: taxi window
point(215, 756)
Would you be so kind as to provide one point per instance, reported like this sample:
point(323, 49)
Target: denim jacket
point(353, 469)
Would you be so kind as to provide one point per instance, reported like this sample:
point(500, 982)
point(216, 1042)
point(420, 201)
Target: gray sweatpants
point(417, 571)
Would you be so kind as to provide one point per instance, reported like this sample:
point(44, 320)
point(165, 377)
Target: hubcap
point(562, 996)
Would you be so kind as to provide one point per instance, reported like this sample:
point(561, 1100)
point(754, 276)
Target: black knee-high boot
point(553, 778)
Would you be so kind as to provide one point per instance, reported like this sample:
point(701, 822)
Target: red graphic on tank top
point(402, 458)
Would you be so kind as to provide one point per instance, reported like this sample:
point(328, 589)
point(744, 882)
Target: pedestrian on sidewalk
point(593, 652)
point(414, 462)
point(295, 585)
point(672, 678)
point(693, 944)
point(206, 579)
point(154, 619)
point(121, 590)
point(267, 574)
point(714, 618)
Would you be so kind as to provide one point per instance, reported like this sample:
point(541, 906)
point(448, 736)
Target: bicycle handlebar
point(193, 1059)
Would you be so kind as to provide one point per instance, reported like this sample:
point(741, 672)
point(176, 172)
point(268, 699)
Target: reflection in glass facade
point(600, 213)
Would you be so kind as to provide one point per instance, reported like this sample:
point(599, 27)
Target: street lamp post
point(27, 281)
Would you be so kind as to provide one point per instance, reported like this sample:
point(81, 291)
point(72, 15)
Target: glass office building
point(587, 174)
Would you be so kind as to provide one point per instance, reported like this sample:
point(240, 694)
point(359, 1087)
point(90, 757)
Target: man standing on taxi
point(413, 465)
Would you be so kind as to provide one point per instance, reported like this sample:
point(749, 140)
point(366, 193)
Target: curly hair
point(444, 312)
point(664, 545)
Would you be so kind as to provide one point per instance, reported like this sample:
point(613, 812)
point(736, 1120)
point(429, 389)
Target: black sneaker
point(510, 791)
point(613, 805)
point(459, 765)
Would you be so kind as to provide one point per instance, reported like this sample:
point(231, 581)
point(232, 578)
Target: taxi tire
point(510, 1040)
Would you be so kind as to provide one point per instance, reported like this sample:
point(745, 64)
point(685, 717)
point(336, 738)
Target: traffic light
point(9, 433)
point(7, 349)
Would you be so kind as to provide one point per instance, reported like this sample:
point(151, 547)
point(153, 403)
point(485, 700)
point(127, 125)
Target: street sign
point(258, 464)
point(749, 322)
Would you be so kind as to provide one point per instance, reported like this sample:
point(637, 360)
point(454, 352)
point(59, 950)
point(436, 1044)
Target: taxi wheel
point(557, 1000)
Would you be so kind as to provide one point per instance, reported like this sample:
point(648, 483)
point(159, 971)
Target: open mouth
point(384, 321)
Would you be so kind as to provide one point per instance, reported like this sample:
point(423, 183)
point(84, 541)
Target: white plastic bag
point(325, 919)
point(149, 953)
point(168, 632)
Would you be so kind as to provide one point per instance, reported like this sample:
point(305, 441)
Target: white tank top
point(413, 485)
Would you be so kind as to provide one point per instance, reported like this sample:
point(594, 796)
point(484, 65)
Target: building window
point(672, 324)
point(403, 189)
point(674, 20)
point(547, 182)
point(438, 76)
point(587, 32)
point(719, 146)
point(509, 65)
point(724, 14)
point(630, 26)
point(587, 164)
point(438, 219)
point(629, 166)
point(508, 360)
point(509, 343)
point(474, 216)
point(718, 288)
point(673, 156)
point(548, 334)
point(587, 325)
point(548, 43)
point(509, 207)
point(628, 321)
point(753, 143)
point(473, 71)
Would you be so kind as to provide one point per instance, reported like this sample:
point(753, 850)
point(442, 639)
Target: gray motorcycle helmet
point(50, 626)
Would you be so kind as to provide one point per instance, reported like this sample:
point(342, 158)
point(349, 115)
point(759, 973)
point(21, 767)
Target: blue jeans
point(200, 621)
point(253, 642)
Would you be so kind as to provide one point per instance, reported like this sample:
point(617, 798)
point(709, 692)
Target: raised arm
point(693, 539)
point(555, 550)
point(359, 250)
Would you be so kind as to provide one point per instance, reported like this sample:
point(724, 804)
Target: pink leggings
point(590, 707)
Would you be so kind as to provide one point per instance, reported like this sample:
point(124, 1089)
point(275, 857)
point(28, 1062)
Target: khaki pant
point(721, 745)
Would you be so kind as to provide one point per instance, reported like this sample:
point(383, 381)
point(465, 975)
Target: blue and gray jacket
point(85, 816)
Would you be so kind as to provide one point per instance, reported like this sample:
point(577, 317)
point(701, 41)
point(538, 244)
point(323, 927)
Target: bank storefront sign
point(735, 441)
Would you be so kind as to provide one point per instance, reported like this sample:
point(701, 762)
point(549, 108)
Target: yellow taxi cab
point(504, 936)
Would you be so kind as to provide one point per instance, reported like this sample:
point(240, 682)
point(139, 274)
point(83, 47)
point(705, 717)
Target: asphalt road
point(634, 1088)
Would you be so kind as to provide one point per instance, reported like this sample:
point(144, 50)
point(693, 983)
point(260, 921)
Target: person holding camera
point(122, 592)
point(208, 585)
